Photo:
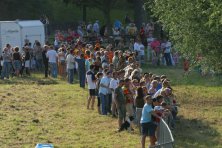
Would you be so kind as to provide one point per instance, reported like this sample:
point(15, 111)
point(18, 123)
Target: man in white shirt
point(91, 80)
point(113, 85)
point(96, 27)
point(70, 61)
point(150, 39)
point(139, 48)
point(103, 91)
point(167, 53)
point(53, 58)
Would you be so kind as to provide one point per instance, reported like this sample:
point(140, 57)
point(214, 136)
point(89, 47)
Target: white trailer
point(16, 32)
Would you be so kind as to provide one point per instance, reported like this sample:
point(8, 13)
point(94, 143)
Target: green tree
point(104, 6)
point(23, 9)
point(194, 27)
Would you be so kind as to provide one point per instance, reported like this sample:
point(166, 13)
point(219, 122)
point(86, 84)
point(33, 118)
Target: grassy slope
point(51, 111)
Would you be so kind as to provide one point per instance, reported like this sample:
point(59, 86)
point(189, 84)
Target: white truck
point(16, 33)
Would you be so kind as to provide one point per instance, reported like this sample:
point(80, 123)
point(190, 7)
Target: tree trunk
point(84, 12)
point(139, 13)
point(106, 13)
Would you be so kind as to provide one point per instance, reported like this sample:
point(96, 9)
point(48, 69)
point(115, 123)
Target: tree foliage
point(23, 9)
point(194, 27)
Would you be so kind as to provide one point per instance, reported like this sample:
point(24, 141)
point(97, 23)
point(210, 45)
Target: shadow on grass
point(29, 80)
point(195, 133)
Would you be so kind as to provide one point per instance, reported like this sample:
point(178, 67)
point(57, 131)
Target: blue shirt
point(146, 113)
point(117, 24)
point(105, 81)
point(81, 65)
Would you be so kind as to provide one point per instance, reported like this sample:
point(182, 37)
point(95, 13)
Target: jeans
point(46, 69)
point(53, 69)
point(82, 78)
point(109, 102)
point(148, 53)
point(39, 64)
point(168, 59)
point(70, 76)
point(6, 70)
point(138, 115)
point(104, 100)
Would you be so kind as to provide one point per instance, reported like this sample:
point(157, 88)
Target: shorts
point(148, 129)
point(17, 65)
point(121, 112)
point(92, 92)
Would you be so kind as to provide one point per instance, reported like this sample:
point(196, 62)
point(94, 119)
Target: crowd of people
point(114, 77)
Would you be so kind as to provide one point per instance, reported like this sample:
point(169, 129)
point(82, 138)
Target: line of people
point(116, 79)
point(123, 91)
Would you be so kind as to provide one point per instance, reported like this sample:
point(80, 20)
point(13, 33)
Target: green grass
point(37, 110)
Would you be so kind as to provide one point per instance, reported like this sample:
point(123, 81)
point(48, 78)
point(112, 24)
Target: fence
point(165, 138)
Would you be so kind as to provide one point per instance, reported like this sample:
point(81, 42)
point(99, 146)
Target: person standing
point(139, 103)
point(6, 56)
point(91, 80)
point(27, 60)
point(81, 70)
point(139, 48)
point(38, 55)
point(167, 53)
point(113, 85)
point(61, 62)
point(120, 103)
point(96, 28)
point(45, 60)
point(103, 91)
point(70, 61)
point(148, 127)
point(53, 58)
point(16, 56)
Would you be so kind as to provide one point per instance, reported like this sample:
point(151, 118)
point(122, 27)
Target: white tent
point(16, 32)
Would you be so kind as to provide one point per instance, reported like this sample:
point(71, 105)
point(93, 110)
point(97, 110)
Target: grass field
point(37, 110)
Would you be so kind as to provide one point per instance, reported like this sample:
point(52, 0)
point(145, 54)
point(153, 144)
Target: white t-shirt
point(105, 81)
point(168, 47)
point(150, 40)
point(96, 27)
point(89, 27)
point(158, 108)
point(70, 61)
point(114, 83)
point(90, 77)
point(52, 55)
point(157, 93)
point(139, 48)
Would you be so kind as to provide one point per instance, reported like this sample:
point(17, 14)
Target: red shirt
point(155, 45)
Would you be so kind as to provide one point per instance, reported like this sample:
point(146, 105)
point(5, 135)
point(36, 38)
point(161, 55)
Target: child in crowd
point(186, 66)
point(120, 104)
point(99, 76)
point(148, 127)
point(91, 80)
point(139, 103)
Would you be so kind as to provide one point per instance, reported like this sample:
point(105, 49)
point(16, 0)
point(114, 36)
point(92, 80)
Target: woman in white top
point(61, 62)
